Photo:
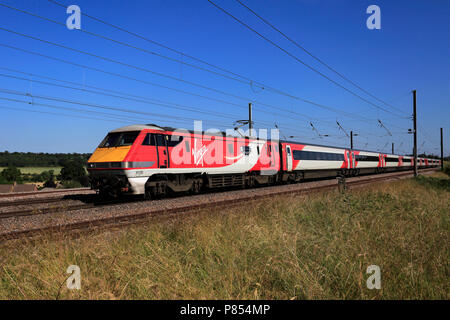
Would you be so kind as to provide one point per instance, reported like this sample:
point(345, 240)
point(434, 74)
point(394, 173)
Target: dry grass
point(310, 247)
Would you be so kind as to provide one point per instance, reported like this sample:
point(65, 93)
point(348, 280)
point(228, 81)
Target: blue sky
point(411, 51)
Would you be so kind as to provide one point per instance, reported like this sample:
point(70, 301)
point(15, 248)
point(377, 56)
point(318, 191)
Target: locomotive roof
point(137, 127)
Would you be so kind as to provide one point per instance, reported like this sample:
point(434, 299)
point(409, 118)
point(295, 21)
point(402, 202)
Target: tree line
point(32, 159)
point(73, 173)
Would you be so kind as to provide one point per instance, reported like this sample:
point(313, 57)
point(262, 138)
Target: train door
point(163, 152)
point(349, 159)
point(288, 158)
point(353, 160)
point(272, 154)
point(382, 160)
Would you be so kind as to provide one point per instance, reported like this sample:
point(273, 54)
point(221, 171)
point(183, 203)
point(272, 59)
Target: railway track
point(28, 212)
point(139, 216)
point(37, 193)
point(29, 202)
point(93, 203)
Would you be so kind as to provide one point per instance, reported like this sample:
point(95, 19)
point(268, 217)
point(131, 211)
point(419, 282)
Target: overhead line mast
point(415, 132)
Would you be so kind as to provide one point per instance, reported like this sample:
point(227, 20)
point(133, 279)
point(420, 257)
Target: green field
point(38, 170)
point(314, 246)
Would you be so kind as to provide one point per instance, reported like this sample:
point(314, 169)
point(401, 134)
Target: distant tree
point(49, 179)
point(46, 175)
point(11, 174)
point(30, 159)
point(73, 170)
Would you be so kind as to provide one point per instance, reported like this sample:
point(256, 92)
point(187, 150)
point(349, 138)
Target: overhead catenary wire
point(92, 105)
point(103, 114)
point(133, 97)
point(112, 108)
point(120, 42)
point(183, 54)
point(315, 57)
point(350, 115)
point(134, 34)
point(62, 114)
point(115, 93)
point(118, 94)
point(249, 81)
point(143, 81)
point(302, 62)
point(346, 114)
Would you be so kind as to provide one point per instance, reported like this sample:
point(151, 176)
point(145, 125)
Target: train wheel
point(196, 187)
point(108, 193)
point(102, 193)
point(147, 194)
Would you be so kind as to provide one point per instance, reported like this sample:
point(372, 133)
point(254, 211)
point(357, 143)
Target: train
point(154, 161)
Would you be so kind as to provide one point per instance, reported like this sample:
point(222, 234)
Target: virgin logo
point(198, 153)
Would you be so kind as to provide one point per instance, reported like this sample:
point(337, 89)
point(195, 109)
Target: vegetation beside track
point(447, 167)
point(304, 247)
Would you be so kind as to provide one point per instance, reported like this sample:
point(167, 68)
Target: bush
point(74, 171)
point(447, 168)
point(11, 174)
point(69, 184)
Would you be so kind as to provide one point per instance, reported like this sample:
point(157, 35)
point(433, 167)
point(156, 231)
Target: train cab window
point(188, 148)
point(149, 140)
point(110, 140)
point(127, 138)
point(118, 139)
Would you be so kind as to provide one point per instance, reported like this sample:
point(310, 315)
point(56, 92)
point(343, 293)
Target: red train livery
point(153, 160)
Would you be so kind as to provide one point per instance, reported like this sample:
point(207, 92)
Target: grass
point(447, 167)
point(38, 170)
point(305, 247)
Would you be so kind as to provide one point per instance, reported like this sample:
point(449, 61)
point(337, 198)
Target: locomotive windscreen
point(118, 139)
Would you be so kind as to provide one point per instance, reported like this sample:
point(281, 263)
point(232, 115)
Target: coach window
point(174, 140)
point(245, 150)
point(230, 148)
